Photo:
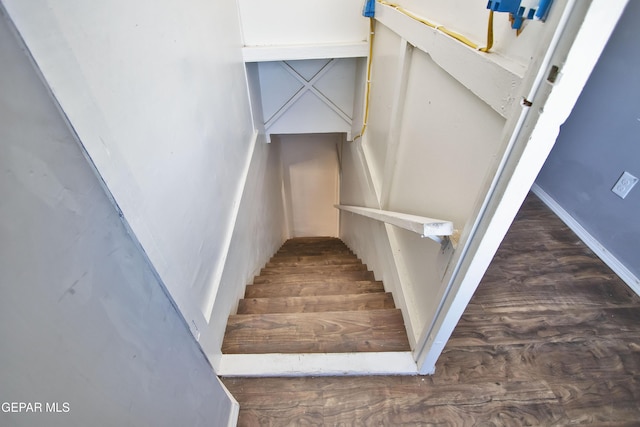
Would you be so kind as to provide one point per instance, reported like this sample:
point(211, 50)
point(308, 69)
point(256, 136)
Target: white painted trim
point(304, 51)
point(234, 414)
point(320, 364)
point(209, 300)
point(395, 122)
point(400, 291)
point(234, 410)
point(418, 224)
point(491, 77)
point(598, 248)
point(371, 173)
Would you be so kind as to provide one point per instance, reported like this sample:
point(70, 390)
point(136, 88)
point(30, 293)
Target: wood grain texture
point(313, 269)
point(315, 296)
point(313, 260)
point(551, 337)
point(316, 287)
point(314, 276)
point(326, 332)
point(365, 301)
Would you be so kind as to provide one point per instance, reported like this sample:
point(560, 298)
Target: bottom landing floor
point(552, 337)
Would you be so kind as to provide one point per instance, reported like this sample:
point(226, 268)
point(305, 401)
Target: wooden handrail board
point(422, 225)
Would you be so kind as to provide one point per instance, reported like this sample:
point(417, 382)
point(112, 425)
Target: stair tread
point(314, 303)
point(315, 296)
point(338, 287)
point(315, 252)
point(313, 247)
point(326, 259)
point(327, 332)
point(314, 276)
point(312, 269)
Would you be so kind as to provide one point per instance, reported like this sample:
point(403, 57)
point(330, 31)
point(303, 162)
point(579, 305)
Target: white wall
point(439, 121)
point(156, 92)
point(293, 22)
point(368, 238)
point(83, 319)
point(258, 233)
point(259, 228)
point(311, 181)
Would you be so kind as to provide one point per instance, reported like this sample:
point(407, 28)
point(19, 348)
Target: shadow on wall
point(310, 183)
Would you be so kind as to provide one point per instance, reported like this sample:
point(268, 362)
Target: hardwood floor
point(552, 337)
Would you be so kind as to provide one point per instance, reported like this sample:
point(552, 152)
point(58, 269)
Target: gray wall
point(156, 92)
point(82, 318)
point(601, 139)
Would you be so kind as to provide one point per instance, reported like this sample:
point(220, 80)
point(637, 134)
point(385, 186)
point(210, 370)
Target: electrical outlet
point(624, 185)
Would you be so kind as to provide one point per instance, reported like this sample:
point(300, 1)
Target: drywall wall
point(598, 142)
point(443, 129)
point(386, 70)
point(258, 233)
point(367, 238)
point(259, 228)
point(439, 127)
point(85, 325)
point(292, 22)
point(157, 94)
point(311, 180)
point(440, 120)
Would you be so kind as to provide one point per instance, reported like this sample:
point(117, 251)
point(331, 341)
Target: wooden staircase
point(315, 297)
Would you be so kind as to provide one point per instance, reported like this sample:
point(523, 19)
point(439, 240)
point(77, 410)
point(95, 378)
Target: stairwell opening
point(314, 308)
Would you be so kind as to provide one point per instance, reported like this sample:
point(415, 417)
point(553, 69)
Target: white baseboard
point(234, 410)
point(607, 257)
point(317, 364)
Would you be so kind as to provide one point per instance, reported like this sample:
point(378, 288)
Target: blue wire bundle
point(369, 10)
point(520, 13)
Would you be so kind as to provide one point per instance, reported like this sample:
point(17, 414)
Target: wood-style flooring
point(551, 337)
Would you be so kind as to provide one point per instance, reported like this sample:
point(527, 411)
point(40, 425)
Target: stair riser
point(314, 277)
point(314, 253)
point(374, 301)
point(313, 260)
point(314, 269)
point(315, 296)
point(297, 289)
